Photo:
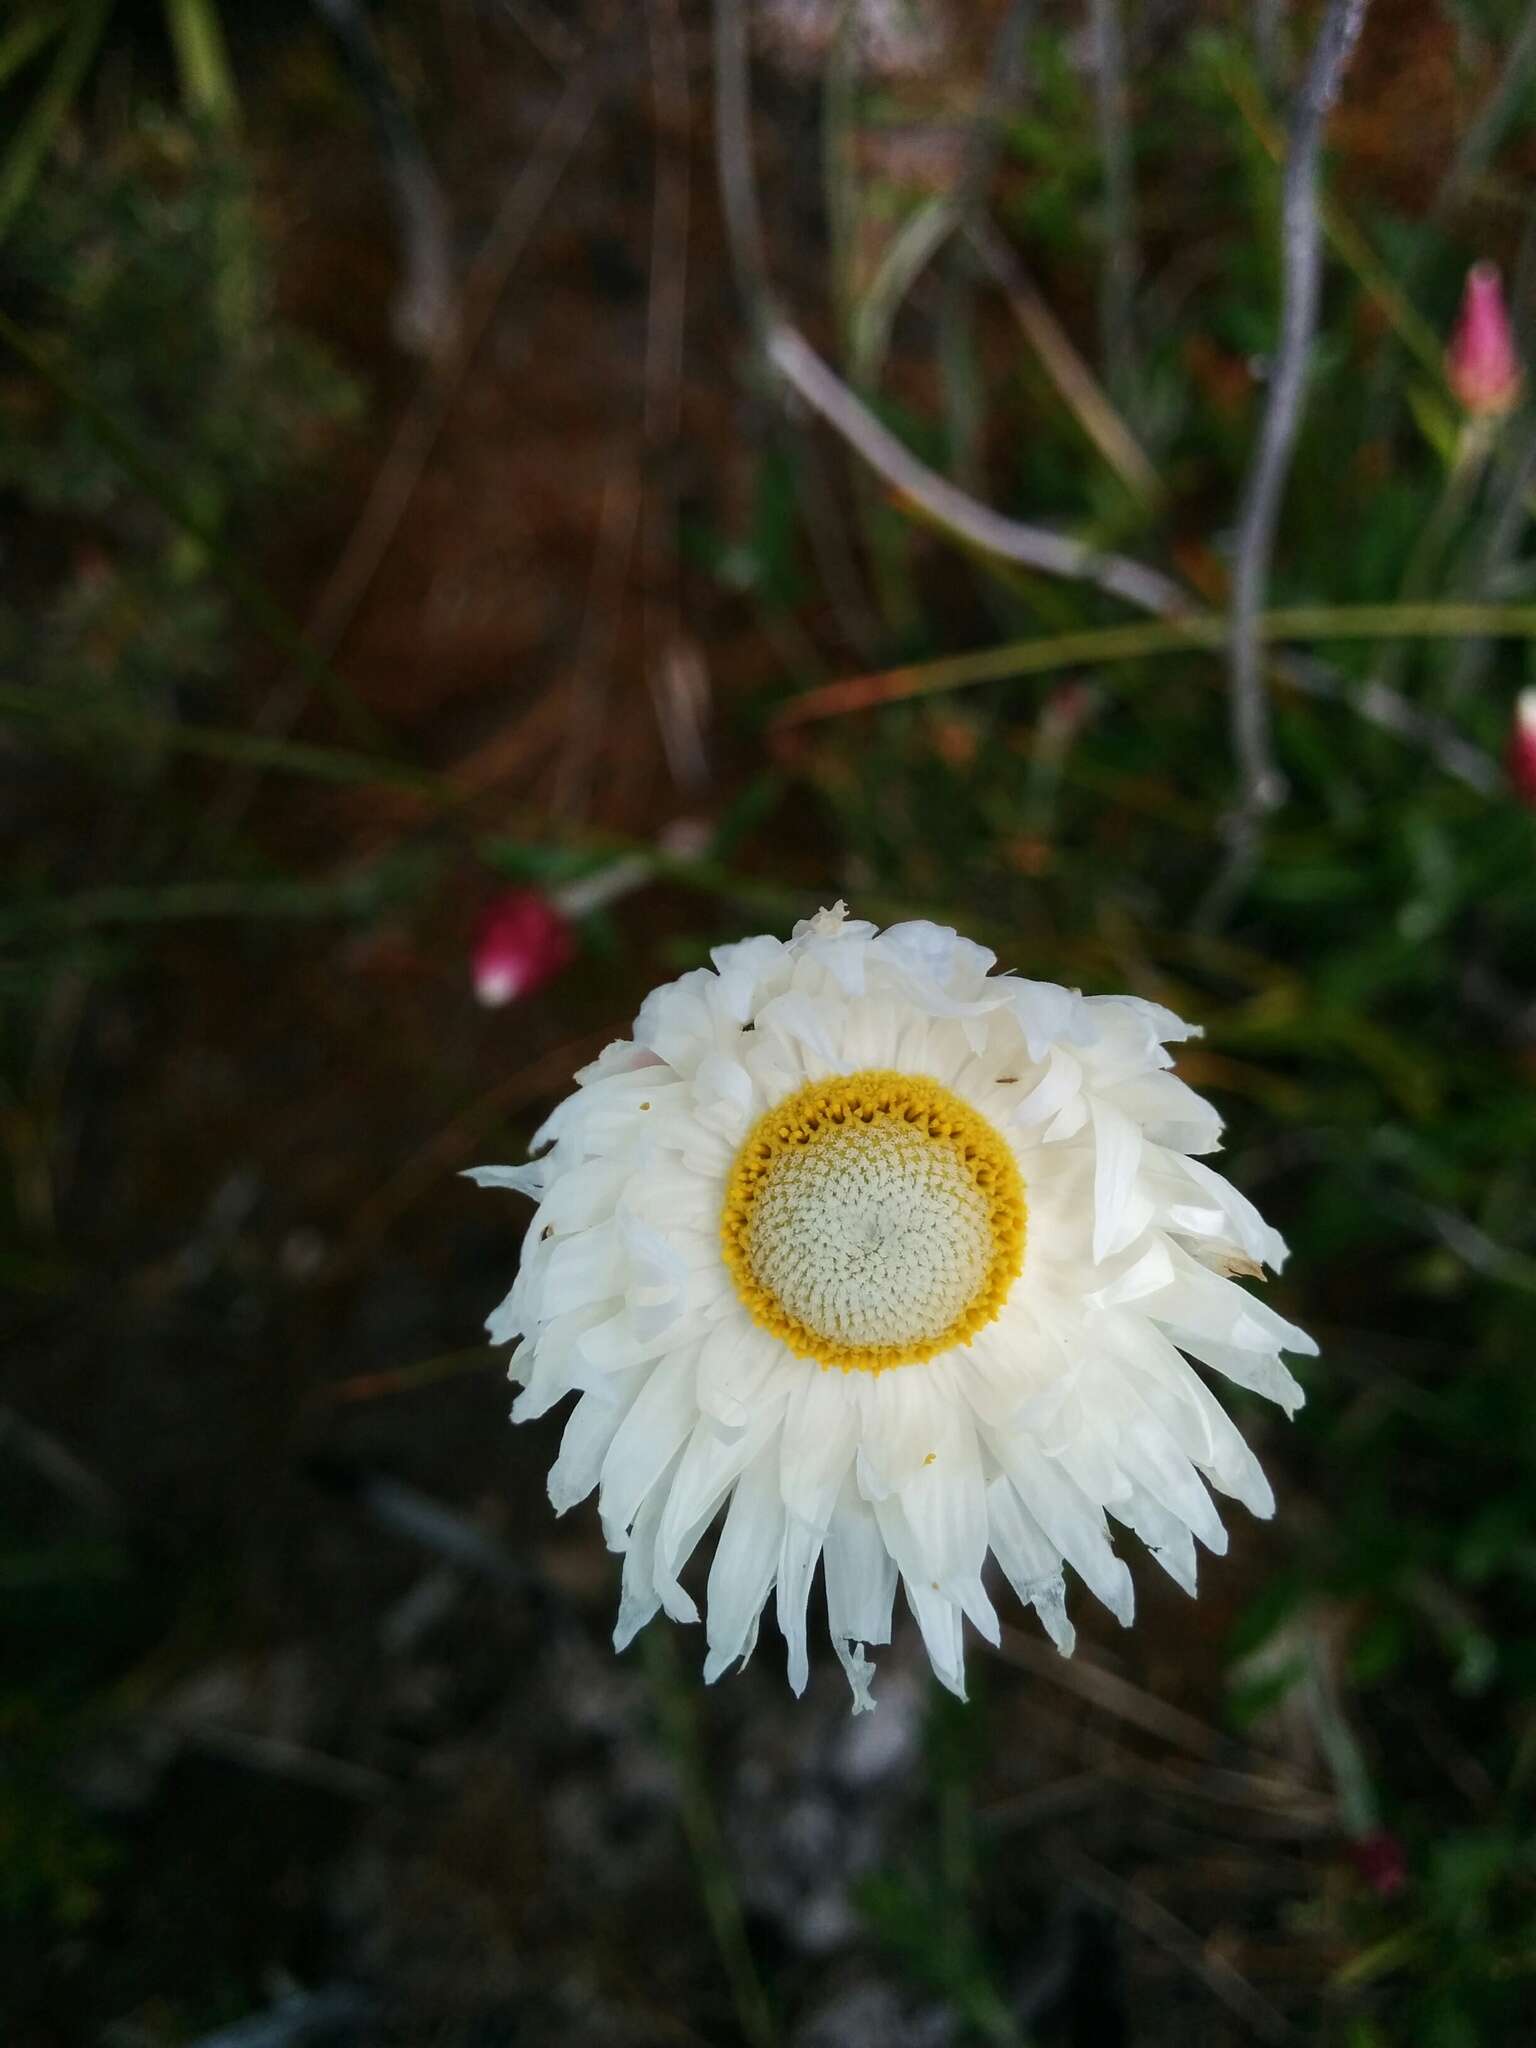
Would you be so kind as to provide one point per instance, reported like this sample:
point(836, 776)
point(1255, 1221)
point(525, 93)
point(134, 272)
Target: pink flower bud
point(1481, 365)
point(521, 942)
point(1381, 1860)
point(1522, 748)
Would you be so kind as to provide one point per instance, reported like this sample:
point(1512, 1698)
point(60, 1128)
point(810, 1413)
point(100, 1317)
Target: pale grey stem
point(425, 303)
point(1036, 547)
point(1261, 788)
point(1387, 709)
point(826, 528)
point(301, 2019)
point(675, 672)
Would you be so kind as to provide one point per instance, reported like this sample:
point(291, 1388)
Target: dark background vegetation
point(350, 573)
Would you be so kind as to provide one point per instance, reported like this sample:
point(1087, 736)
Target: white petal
point(860, 1572)
point(1061, 1083)
point(1072, 1522)
point(1030, 1561)
point(523, 1180)
point(943, 1635)
point(1173, 1482)
point(1259, 1371)
point(1164, 1534)
point(945, 1505)
point(593, 1424)
point(738, 1364)
point(638, 1599)
point(1170, 1112)
point(649, 1435)
point(820, 1432)
point(711, 1465)
point(797, 1567)
point(1117, 1155)
point(746, 1559)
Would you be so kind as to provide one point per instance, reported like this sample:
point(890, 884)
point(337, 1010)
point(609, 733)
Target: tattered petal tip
point(859, 1671)
point(522, 1180)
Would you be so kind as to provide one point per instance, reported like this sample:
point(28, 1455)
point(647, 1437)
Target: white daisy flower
point(894, 1260)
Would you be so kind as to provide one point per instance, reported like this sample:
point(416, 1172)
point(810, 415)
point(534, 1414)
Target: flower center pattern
point(872, 1220)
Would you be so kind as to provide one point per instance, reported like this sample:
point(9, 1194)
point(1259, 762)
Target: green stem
point(85, 721)
point(207, 83)
point(1467, 467)
point(717, 1889)
point(1103, 646)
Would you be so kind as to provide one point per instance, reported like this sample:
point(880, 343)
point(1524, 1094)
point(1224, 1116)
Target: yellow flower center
point(873, 1220)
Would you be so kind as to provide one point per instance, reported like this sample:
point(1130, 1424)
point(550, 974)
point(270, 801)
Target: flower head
point(1381, 1860)
point(1481, 364)
point(1522, 748)
point(895, 1261)
point(521, 941)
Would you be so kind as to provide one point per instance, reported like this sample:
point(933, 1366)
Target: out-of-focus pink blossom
point(522, 941)
point(1382, 1861)
point(1481, 365)
point(1522, 748)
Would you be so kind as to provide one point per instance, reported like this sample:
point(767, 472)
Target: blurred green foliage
point(1370, 1007)
point(157, 237)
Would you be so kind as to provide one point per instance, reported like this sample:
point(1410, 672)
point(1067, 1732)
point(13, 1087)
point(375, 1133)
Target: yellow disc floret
point(872, 1220)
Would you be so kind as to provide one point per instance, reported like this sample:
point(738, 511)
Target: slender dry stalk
point(1013, 540)
point(426, 303)
point(1117, 291)
point(618, 530)
point(733, 160)
point(931, 226)
point(1152, 1919)
point(1090, 404)
point(1261, 787)
point(675, 672)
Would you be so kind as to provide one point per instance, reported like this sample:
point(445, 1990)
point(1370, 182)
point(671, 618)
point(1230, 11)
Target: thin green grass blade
point(34, 136)
point(1102, 646)
point(25, 37)
point(202, 59)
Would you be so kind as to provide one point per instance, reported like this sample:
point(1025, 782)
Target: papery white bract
point(781, 1254)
